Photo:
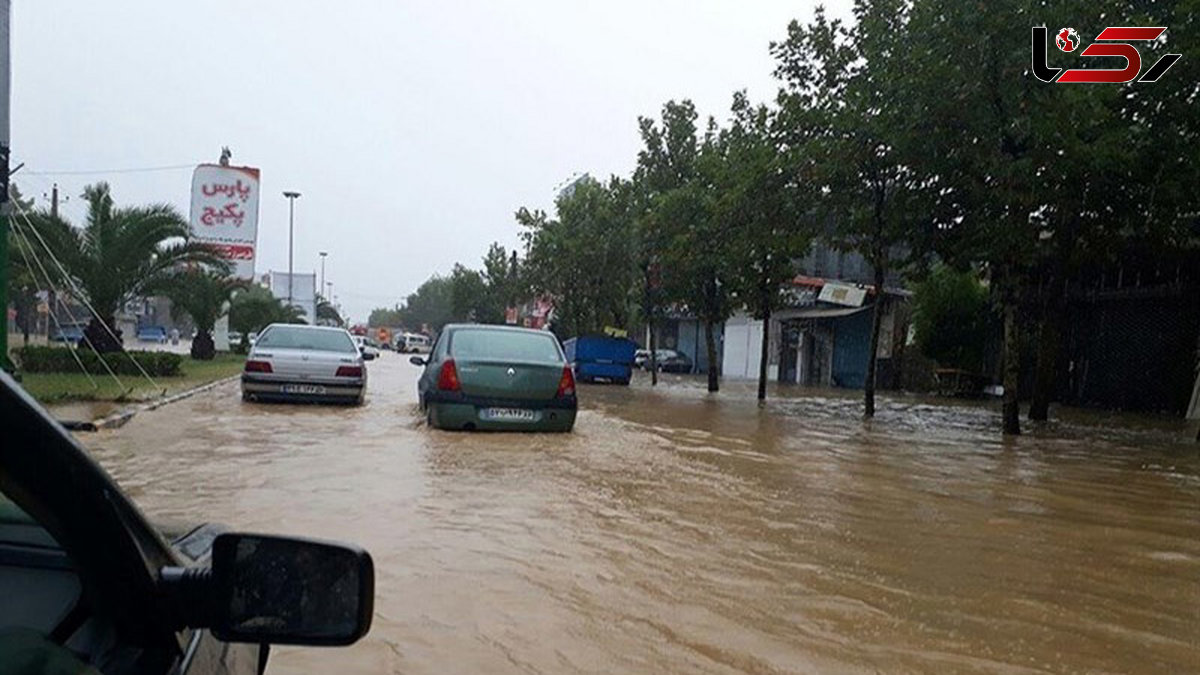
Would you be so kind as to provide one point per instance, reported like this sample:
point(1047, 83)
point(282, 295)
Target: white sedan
point(304, 363)
point(366, 347)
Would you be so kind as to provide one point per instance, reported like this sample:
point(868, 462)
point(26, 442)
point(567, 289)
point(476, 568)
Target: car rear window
point(504, 344)
point(297, 337)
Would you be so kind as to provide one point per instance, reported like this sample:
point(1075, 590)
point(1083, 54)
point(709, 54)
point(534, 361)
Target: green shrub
point(39, 359)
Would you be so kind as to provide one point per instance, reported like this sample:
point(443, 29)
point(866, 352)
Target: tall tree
point(119, 254)
point(1034, 179)
point(666, 163)
point(768, 203)
point(844, 105)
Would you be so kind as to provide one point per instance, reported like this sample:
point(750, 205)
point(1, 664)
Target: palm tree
point(327, 312)
point(119, 254)
point(203, 295)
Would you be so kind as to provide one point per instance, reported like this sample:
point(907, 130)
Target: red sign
point(1067, 40)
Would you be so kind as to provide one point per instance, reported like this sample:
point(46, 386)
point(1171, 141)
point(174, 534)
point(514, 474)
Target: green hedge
point(36, 359)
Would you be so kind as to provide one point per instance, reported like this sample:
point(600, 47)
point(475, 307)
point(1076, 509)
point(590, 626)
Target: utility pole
point(322, 286)
point(291, 197)
point(5, 90)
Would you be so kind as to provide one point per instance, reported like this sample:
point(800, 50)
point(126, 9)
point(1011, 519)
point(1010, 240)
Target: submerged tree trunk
point(714, 383)
point(1012, 367)
point(203, 348)
point(873, 351)
point(103, 336)
point(764, 356)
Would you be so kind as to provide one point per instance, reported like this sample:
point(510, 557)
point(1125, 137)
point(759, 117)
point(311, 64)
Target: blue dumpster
point(599, 357)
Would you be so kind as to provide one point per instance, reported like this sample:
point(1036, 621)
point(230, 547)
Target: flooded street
point(676, 533)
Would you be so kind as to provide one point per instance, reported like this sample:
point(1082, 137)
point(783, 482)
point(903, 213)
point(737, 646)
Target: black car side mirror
point(417, 360)
point(368, 356)
point(277, 590)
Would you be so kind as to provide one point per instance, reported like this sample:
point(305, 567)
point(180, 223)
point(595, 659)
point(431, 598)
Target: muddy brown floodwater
point(677, 533)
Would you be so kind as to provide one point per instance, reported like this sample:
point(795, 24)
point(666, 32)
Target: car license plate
point(314, 389)
point(508, 414)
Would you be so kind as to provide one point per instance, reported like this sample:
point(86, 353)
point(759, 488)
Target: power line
point(96, 172)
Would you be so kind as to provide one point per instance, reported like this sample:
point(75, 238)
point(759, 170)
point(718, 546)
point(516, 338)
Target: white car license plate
point(509, 414)
point(314, 389)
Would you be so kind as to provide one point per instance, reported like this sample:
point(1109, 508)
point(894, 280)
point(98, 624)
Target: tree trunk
point(203, 348)
point(1012, 367)
point(714, 383)
point(1049, 335)
point(764, 356)
point(101, 338)
point(653, 354)
point(872, 356)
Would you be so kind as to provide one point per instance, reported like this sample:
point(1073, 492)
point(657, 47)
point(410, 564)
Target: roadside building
point(821, 337)
point(683, 332)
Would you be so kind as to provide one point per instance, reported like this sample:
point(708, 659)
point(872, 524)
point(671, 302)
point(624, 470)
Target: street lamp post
point(291, 197)
point(322, 286)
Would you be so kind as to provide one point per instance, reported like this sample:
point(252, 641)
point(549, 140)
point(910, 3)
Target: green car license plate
point(311, 389)
point(508, 414)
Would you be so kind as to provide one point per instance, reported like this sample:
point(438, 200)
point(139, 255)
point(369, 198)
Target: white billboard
point(302, 288)
point(225, 213)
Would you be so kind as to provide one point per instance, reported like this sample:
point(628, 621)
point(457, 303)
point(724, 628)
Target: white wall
point(743, 344)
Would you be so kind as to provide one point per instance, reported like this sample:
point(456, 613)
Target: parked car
point(640, 357)
point(152, 334)
point(67, 334)
point(497, 378)
point(412, 342)
point(304, 363)
point(594, 357)
point(668, 361)
point(366, 346)
point(90, 586)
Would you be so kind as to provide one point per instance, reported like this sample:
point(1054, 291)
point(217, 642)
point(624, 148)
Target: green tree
point(469, 296)
point(204, 295)
point(326, 312)
point(255, 308)
point(1034, 180)
point(767, 202)
point(119, 254)
point(844, 106)
point(430, 305)
point(382, 316)
point(952, 318)
point(580, 260)
point(666, 163)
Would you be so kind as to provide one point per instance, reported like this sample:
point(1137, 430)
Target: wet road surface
point(675, 533)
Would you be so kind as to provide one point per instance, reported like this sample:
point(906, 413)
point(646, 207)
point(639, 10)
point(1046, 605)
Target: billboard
point(225, 213)
point(303, 290)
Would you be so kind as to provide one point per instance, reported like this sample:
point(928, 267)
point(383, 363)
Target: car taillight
point(566, 383)
point(258, 367)
point(349, 371)
point(448, 377)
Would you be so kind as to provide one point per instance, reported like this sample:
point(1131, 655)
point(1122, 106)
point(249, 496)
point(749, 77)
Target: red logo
point(1117, 39)
point(1067, 39)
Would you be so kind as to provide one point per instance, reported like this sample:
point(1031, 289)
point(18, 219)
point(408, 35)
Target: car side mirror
point(265, 589)
point(368, 356)
point(417, 360)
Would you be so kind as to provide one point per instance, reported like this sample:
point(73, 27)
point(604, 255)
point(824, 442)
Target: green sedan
point(497, 378)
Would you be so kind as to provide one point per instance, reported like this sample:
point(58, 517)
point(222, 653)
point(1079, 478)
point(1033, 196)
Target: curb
point(119, 419)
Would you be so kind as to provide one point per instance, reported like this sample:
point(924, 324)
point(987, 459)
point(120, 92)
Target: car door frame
point(116, 551)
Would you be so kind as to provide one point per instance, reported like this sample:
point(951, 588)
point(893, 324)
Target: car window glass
point(289, 337)
point(503, 344)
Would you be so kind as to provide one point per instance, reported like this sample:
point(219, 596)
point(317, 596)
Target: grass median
point(60, 387)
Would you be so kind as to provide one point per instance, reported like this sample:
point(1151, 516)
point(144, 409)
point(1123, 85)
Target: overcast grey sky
point(414, 130)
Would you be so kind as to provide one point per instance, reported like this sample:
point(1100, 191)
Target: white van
point(412, 342)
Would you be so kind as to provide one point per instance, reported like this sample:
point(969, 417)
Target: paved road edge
point(119, 419)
